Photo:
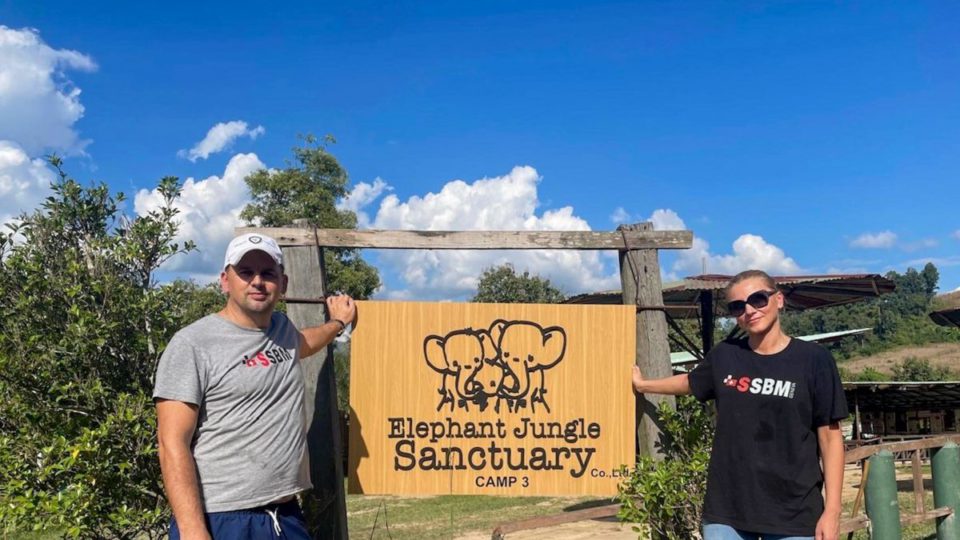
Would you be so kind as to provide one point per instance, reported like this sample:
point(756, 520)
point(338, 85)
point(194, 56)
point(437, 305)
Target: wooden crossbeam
point(863, 452)
point(596, 512)
point(382, 239)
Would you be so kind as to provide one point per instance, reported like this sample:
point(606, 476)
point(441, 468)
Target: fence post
point(945, 465)
point(640, 279)
point(325, 505)
point(883, 508)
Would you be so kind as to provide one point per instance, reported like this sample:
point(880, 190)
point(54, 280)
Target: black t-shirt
point(765, 474)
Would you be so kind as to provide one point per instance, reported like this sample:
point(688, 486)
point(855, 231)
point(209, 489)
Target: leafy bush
point(898, 319)
point(867, 375)
point(83, 326)
point(666, 496)
point(915, 369)
point(503, 284)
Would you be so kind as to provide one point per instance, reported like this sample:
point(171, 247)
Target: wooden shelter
point(947, 317)
point(903, 409)
point(701, 296)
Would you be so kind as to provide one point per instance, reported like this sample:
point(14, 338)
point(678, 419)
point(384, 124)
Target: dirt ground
point(611, 529)
point(939, 354)
point(604, 529)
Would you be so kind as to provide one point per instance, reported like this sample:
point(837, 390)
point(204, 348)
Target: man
point(229, 394)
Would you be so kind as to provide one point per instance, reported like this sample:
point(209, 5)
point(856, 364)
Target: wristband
point(343, 326)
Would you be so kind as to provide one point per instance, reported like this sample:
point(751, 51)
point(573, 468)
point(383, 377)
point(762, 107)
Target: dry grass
point(939, 354)
point(947, 301)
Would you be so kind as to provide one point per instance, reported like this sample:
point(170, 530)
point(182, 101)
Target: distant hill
point(946, 301)
point(938, 354)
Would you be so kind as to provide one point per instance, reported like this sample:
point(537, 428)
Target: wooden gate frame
point(303, 246)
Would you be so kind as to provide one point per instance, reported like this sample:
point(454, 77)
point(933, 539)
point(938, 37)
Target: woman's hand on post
point(828, 526)
point(638, 380)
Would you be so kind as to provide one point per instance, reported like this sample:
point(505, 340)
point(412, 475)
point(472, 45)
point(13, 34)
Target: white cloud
point(956, 234)
point(849, 270)
point(38, 103)
point(854, 266)
point(209, 211)
point(667, 220)
point(939, 262)
point(506, 202)
point(220, 137)
point(38, 109)
point(363, 194)
point(24, 182)
point(881, 240)
point(750, 251)
point(620, 216)
point(923, 243)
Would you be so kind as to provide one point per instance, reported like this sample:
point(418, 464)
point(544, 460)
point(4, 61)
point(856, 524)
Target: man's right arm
point(176, 422)
point(677, 385)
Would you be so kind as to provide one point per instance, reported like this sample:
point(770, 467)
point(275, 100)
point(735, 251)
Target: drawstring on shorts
point(276, 522)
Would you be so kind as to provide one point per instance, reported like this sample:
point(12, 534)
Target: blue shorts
point(717, 531)
point(284, 521)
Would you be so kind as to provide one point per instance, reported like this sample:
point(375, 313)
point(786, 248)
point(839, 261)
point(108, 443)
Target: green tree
point(898, 319)
point(502, 284)
point(82, 328)
point(666, 496)
point(869, 374)
point(199, 300)
point(931, 279)
point(309, 188)
point(916, 369)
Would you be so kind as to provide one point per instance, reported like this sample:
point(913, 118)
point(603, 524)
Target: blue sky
point(795, 137)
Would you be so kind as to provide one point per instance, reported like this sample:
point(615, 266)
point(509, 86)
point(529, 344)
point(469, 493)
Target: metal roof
point(947, 317)
point(801, 292)
point(893, 395)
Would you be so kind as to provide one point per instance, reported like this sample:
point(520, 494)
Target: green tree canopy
point(898, 319)
point(309, 188)
point(917, 369)
point(931, 278)
point(502, 284)
point(83, 325)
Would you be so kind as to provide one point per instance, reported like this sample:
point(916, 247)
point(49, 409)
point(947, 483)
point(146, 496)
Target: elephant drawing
point(503, 364)
point(468, 357)
point(526, 351)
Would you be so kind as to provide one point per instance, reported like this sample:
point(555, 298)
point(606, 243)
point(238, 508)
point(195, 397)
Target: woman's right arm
point(677, 385)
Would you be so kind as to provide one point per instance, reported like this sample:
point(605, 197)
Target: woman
point(779, 401)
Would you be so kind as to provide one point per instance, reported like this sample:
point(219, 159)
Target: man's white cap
point(246, 243)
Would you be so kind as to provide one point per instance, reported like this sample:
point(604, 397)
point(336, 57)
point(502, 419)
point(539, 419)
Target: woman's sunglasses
point(757, 300)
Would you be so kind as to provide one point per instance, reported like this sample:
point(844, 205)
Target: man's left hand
point(342, 308)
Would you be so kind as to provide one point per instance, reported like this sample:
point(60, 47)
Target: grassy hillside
point(949, 300)
point(939, 355)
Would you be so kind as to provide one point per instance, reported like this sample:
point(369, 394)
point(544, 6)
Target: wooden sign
point(509, 399)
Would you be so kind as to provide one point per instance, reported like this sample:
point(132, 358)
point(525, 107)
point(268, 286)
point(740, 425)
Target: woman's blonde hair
point(750, 274)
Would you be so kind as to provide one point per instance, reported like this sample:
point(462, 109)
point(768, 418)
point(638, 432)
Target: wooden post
point(857, 423)
point(706, 320)
point(640, 279)
point(325, 506)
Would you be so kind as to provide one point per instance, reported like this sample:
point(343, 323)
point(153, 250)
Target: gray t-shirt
point(250, 443)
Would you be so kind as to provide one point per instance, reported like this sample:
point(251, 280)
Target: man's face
point(255, 283)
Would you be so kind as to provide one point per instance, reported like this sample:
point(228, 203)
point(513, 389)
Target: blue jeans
point(717, 531)
point(284, 521)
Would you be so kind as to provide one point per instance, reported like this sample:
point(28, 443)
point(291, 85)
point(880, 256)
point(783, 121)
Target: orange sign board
point(518, 399)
